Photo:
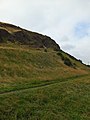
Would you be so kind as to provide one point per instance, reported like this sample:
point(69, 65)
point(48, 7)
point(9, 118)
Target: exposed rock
point(13, 33)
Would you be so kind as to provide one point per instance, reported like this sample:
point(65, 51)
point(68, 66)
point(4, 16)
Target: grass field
point(37, 85)
point(66, 100)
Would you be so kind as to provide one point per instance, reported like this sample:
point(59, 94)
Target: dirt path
point(42, 85)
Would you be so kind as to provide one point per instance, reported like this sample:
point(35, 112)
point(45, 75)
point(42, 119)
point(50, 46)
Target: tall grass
point(67, 100)
point(37, 85)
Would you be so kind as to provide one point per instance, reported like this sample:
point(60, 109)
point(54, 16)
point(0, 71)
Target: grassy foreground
point(68, 100)
point(37, 85)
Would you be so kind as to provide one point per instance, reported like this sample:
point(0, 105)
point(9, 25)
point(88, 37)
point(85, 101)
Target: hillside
point(39, 81)
point(11, 33)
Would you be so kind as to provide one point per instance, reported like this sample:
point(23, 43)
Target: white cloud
point(82, 50)
point(56, 18)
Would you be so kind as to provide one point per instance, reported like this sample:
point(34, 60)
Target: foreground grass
point(68, 100)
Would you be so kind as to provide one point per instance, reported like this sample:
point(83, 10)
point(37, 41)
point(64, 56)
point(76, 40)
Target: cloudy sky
point(66, 21)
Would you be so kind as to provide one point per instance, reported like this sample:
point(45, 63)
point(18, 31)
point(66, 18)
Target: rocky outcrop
point(13, 33)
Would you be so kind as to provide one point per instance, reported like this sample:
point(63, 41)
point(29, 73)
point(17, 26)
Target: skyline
point(67, 22)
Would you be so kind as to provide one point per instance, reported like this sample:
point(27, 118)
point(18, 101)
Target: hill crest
point(12, 33)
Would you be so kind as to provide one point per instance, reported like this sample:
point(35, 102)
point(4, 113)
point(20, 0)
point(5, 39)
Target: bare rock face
point(13, 33)
point(3, 35)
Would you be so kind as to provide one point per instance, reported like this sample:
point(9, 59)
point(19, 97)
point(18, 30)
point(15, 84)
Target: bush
point(88, 65)
point(61, 55)
point(45, 50)
point(80, 61)
point(68, 62)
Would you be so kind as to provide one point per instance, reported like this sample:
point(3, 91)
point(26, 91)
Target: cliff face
point(13, 33)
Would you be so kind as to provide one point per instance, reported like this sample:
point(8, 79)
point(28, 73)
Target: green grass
point(37, 85)
point(67, 100)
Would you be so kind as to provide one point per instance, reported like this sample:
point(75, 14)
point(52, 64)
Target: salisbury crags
point(12, 33)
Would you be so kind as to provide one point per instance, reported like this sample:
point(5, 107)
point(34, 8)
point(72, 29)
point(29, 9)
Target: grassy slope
point(23, 67)
point(37, 85)
point(67, 100)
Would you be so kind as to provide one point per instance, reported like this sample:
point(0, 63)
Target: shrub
point(88, 65)
point(61, 55)
point(80, 61)
point(68, 62)
point(45, 50)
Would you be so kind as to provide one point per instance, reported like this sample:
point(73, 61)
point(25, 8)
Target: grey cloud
point(68, 47)
point(56, 18)
point(65, 39)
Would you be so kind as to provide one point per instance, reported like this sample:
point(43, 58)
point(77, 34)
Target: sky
point(65, 21)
